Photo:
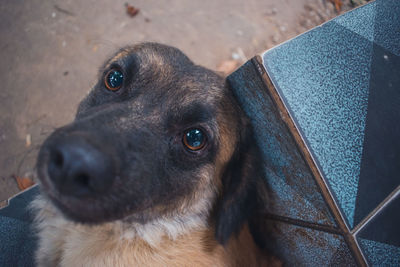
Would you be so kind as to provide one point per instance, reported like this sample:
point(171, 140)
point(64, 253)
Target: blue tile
point(18, 240)
point(293, 190)
point(380, 254)
point(360, 20)
point(17, 244)
point(18, 205)
point(380, 237)
point(323, 78)
point(380, 164)
point(387, 25)
point(384, 226)
point(299, 246)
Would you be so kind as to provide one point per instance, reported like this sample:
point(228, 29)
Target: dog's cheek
point(186, 172)
point(195, 192)
point(183, 159)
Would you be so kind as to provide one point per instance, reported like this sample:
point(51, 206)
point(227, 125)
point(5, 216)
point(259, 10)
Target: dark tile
point(379, 239)
point(293, 190)
point(18, 240)
point(299, 246)
point(342, 256)
point(18, 205)
point(385, 226)
point(380, 254)
point(17, 244)
point(380, 164)
point(360, 20)
point(323, 78)
point(387, 25)
point(378, 22)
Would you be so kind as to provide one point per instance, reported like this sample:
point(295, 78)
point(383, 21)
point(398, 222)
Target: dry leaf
point(338, 4)
point(227, 66)
point(23, 182)
point(131, 10)
point(28, 140)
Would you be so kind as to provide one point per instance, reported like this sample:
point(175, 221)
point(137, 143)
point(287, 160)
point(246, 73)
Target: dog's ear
point(239, 199)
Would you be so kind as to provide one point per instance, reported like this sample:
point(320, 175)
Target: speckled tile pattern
point(340, 83)
point(355, 21)
point(380, 254)
point(378, 22)
point(17, 246)
point(329, 78)
point(387, 25)
point(301, 246)
point(18, 241)
point(328, 97)
point(294, 192)
point(380, 164)
point(384, 227)
point(17, 206)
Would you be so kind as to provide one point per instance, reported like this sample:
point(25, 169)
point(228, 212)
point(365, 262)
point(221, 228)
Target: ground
point(51, 51)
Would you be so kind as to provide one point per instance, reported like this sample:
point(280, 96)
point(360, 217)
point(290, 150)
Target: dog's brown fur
point(203, 224)
point(64, 243)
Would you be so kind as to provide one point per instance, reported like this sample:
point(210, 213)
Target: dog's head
point(158, 136)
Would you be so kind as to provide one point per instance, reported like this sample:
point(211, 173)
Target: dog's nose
point(80, 169)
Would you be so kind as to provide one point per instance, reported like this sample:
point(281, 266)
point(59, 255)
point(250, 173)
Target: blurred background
point(50, 52)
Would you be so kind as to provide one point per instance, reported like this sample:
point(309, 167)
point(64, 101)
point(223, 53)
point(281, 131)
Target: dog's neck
point(63, 241)
point(154, 231)
point(185, 241)
point(151, 232)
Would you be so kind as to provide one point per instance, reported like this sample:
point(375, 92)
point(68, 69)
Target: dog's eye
point(194, 139)
point(113, 80)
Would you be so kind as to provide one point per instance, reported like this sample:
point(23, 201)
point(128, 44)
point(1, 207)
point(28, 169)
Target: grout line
point(301, 145)
point(361, 251)
point(356, 250)
point(309, 160)
point(314, 226)
point(376, 211)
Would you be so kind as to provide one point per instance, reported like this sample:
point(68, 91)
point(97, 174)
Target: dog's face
point(156, 137)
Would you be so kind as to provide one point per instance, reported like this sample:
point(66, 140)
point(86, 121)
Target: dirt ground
point(51, 51)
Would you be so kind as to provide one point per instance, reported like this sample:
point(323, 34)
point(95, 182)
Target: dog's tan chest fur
point(63, 243)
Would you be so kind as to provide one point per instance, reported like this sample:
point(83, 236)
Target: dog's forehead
point(150, 57)
point(167, 75)
point(162, 84)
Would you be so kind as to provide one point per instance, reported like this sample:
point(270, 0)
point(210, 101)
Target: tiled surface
point(387, 21)
point(380, 254)
point(294, 193)
point(384, 227)
point(380, 164)
point(378, 22)
point(340, 84)
point(17, 206)
point(379, 238)
point(17, 238)
point(301, 246)
point(356, 22)
point(328, 98)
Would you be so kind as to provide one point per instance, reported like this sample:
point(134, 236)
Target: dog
point(159, 168)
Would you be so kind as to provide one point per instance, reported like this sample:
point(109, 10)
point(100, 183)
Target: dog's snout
point(78, 168)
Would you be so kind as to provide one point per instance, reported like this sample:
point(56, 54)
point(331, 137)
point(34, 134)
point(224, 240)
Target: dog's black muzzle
point(77, 163)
